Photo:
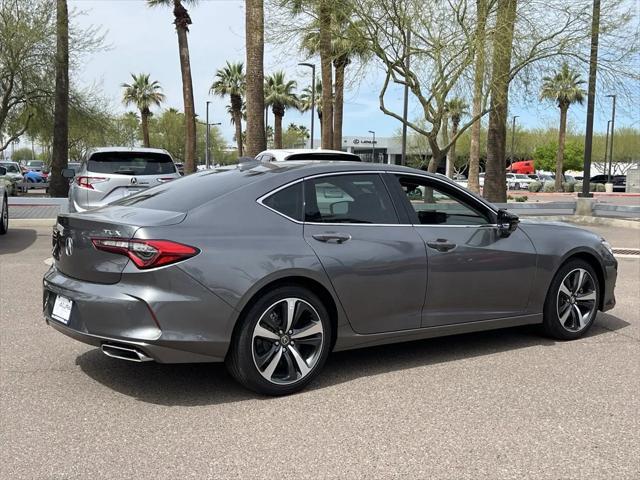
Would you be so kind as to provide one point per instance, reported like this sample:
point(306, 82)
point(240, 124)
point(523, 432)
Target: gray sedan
point(270, 268)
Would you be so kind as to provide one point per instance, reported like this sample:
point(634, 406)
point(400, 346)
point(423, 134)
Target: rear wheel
point(4, 217)
point(572, 301)
point(282, 342)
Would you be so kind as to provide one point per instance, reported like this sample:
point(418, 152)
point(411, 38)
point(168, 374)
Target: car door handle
point(332, 237)
point(441, 245)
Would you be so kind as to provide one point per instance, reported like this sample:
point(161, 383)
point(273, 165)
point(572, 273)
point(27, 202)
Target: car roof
point(283, 153)
point(127, 149)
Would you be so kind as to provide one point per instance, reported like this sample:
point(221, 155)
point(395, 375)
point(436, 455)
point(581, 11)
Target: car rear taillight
point(87, 182)
point(147, 253)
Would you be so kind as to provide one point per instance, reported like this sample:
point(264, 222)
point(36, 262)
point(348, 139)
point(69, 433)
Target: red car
point(526, 167)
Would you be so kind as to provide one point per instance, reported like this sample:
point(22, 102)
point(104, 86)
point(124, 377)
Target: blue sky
point(142, 39)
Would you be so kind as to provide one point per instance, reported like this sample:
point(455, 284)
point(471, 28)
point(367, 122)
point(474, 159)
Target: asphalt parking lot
point(502, 404)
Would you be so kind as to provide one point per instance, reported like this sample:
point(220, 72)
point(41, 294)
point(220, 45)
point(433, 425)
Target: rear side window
point(131, 163)
point(287, 201)
point(357, 198)
point(325, 157)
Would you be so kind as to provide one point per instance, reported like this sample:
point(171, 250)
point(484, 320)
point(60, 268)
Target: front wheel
point(282, 342)
point(572, 301)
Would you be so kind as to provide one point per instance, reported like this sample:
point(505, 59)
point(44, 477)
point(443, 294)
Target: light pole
point(373, 146)
point(312, 66)
point(513, 138)
point(613, 123)
point(606, 143)
point(405, 109)
point(206, 150)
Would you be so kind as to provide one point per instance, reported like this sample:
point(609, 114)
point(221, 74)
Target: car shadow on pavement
point(210, 384)
point(17, 239)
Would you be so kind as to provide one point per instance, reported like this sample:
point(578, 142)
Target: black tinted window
point(287, 201)
point(131, 163)
point(348, 199)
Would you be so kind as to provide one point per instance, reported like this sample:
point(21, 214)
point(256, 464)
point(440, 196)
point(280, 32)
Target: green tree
point(564, 88)
point(231, 81)
point(144, 94)
point(20, 154)
point(546, 155)
point(182, 20)
point(306, 99)
point(280, 94)
point(295, 136)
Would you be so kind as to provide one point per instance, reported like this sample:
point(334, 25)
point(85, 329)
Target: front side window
point(435, 204)
point(353, 198)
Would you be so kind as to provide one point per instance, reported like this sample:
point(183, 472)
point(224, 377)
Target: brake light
point(87, 182)
point(147, 253)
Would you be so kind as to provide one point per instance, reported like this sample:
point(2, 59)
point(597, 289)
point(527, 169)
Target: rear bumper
point(166, 315)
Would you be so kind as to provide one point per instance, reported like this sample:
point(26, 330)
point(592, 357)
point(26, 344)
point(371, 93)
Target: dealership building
point(384, 150)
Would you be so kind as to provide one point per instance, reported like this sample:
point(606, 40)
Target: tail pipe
point(125, 352)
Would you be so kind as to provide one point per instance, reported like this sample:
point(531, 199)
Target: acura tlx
point(270, 267)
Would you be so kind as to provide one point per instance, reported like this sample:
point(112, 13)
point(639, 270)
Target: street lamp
point(312, 66)
point(373, 146)
point(206, 151)
point(613, 123)
point(513, 137)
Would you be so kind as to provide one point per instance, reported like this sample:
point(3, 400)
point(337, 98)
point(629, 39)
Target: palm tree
point(279, 93)
point(231, 81)
point(563, 88)
point(182, 21)
point(456, 108)
point(306, 100)
point(345, 45)
point(254, 40)
point(143, 94)
point(60, 186)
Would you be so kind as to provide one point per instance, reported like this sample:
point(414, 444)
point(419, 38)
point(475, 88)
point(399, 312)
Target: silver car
point(270, 268)
point(111, 173)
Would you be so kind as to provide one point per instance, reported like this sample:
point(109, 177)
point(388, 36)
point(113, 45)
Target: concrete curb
point(585, 220)
point(31, 222)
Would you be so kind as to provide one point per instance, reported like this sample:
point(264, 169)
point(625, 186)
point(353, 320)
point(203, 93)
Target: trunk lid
point(74, 254)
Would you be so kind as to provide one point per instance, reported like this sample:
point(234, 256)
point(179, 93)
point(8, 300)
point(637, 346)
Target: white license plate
point(62, 309)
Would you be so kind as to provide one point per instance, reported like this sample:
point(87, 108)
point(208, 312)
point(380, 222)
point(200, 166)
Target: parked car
point(272, 268)
point(525, 167)
point(281, 155)
point(619, 181)
point(110, 173)
point(4, 205)
point(12, 178)
point(518, 181)
point(34, 165)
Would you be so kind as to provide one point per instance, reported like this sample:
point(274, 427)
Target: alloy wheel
point(287, 341)
point(576, 300)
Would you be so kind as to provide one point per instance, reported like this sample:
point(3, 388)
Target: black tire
point(570, 330)
point(4, 216)
point(241, 361)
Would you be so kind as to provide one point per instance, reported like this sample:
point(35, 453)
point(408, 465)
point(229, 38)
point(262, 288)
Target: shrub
point(577, 187)
point(600, 187)
point(549, 187)
point(535, 186)
point(568, 187)
point(523, 198)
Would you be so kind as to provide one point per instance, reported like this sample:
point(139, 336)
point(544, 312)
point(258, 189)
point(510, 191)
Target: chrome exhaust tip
point(125, 353)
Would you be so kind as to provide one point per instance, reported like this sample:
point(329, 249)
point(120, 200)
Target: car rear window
point(187, 193)
point(131, 163)
point(326, 157)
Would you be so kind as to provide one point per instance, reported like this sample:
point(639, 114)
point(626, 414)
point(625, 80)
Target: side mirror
point(507, 222)
point(68, 173)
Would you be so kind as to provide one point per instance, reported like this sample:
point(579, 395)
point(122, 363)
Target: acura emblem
point(68, 246)
point(134, 180)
